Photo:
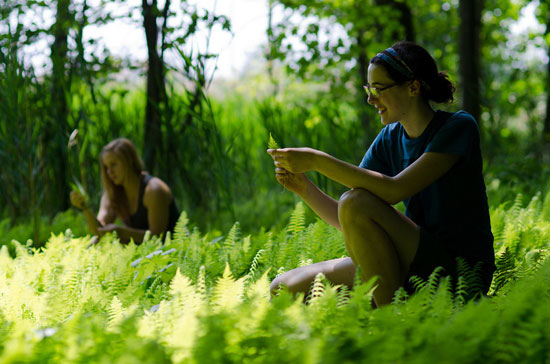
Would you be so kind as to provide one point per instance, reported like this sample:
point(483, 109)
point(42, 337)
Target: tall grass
point(215, 158)
point(22, 153)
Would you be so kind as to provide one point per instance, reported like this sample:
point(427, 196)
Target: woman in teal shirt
point(430, 160)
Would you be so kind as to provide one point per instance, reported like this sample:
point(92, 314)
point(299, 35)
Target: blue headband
point(393, 59)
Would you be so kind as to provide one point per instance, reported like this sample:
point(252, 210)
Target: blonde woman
point(142, 202)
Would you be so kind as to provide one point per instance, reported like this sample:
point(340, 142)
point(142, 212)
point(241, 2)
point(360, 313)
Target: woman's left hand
point(295, 160)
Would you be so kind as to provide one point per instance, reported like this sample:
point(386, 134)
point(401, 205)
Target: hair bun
point(441, 88)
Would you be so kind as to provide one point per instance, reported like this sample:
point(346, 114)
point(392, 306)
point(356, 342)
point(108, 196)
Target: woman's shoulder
point(460, 116)
point(461, 119)
point(156, 189)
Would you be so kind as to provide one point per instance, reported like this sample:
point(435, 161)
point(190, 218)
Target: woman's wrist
point(307, 188)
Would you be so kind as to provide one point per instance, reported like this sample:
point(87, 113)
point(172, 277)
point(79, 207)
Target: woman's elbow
point(395, 193)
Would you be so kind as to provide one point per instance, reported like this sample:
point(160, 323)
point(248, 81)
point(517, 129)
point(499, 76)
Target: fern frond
point(233, 236)
point(317, 289)
point(417, 283)
point(470, 283)
point(272, 144)
point(280, 271)
point(433, 280)
point(201, 282)
point(115, 313)
point(506, 270)
point(400, 296)
point(535, 258)
point(254, 266)
point(515, 210)
point(181, 233)
point(183, 293)
point(260, 288)
point(228, 292)
point(180, 285)
point(297, 219)
point(343, 295)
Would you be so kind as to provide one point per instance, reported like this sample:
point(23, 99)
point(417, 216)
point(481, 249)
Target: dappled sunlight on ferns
point(205, 298)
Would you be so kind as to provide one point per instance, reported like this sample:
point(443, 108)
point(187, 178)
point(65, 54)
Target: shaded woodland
point(207, 138)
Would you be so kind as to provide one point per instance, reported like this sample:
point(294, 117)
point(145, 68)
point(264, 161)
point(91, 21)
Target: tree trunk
point(405, 18)
point(362, 68)
point(55, 134)
point(546, 130)
point(156, 92)
point(469, 46)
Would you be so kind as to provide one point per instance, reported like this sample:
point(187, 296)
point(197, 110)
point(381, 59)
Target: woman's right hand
point(295, 182)
point(78, 200)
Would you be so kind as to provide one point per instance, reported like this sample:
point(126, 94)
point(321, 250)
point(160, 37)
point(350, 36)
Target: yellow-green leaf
point(272, 144)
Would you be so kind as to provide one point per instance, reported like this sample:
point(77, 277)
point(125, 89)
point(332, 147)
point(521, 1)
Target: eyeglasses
point(375, 91)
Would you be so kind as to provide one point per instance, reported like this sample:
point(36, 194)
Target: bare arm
point(125, 233)
point(423, 172)
point(104, 216)
point(324, 206)
point(157, 199)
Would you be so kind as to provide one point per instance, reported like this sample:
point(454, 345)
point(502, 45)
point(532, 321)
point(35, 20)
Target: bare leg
point(381, 240)
point(378, 238)
point(337, 271)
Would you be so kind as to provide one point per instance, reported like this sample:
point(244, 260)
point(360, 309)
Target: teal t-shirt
point(453, 209)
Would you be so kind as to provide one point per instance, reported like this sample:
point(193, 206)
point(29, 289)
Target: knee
point(356, 204)
point(296, 280)
point(286, 280)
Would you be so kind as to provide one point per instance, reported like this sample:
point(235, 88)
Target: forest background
point(207, 137)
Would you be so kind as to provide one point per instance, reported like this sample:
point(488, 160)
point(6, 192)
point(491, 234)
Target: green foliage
point(272, 144)
point(203, 299)
point(70, 219)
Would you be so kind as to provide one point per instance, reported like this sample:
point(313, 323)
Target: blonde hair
point(127, 152)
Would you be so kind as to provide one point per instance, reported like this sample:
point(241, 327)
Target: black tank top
point(139, 220)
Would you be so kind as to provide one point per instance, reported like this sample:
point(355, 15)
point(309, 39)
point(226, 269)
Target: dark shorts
point(433, 253)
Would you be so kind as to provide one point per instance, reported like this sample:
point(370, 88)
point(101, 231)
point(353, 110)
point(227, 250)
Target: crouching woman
point(140, 201)
point(429, 159)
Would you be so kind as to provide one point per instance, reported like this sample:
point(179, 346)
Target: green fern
point(470, 283)
point(228, 292)
point(116, 314)
point(66, 303)
point(506, 270)
point(297, 219)
point(272, 144)
point(181, 233)
point(252, 272)
point(232, 237)
point(343, 295)
point(400, 297)
point(317, 289)
point(201, 282)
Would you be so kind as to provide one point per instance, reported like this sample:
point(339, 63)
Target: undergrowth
point(202, 298)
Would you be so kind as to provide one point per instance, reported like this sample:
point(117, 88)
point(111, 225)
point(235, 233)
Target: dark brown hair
point(435, 85)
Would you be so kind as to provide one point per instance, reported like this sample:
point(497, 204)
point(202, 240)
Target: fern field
point(198, 298)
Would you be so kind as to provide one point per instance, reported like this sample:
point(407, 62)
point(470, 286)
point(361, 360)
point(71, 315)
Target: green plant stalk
point(76, 185)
